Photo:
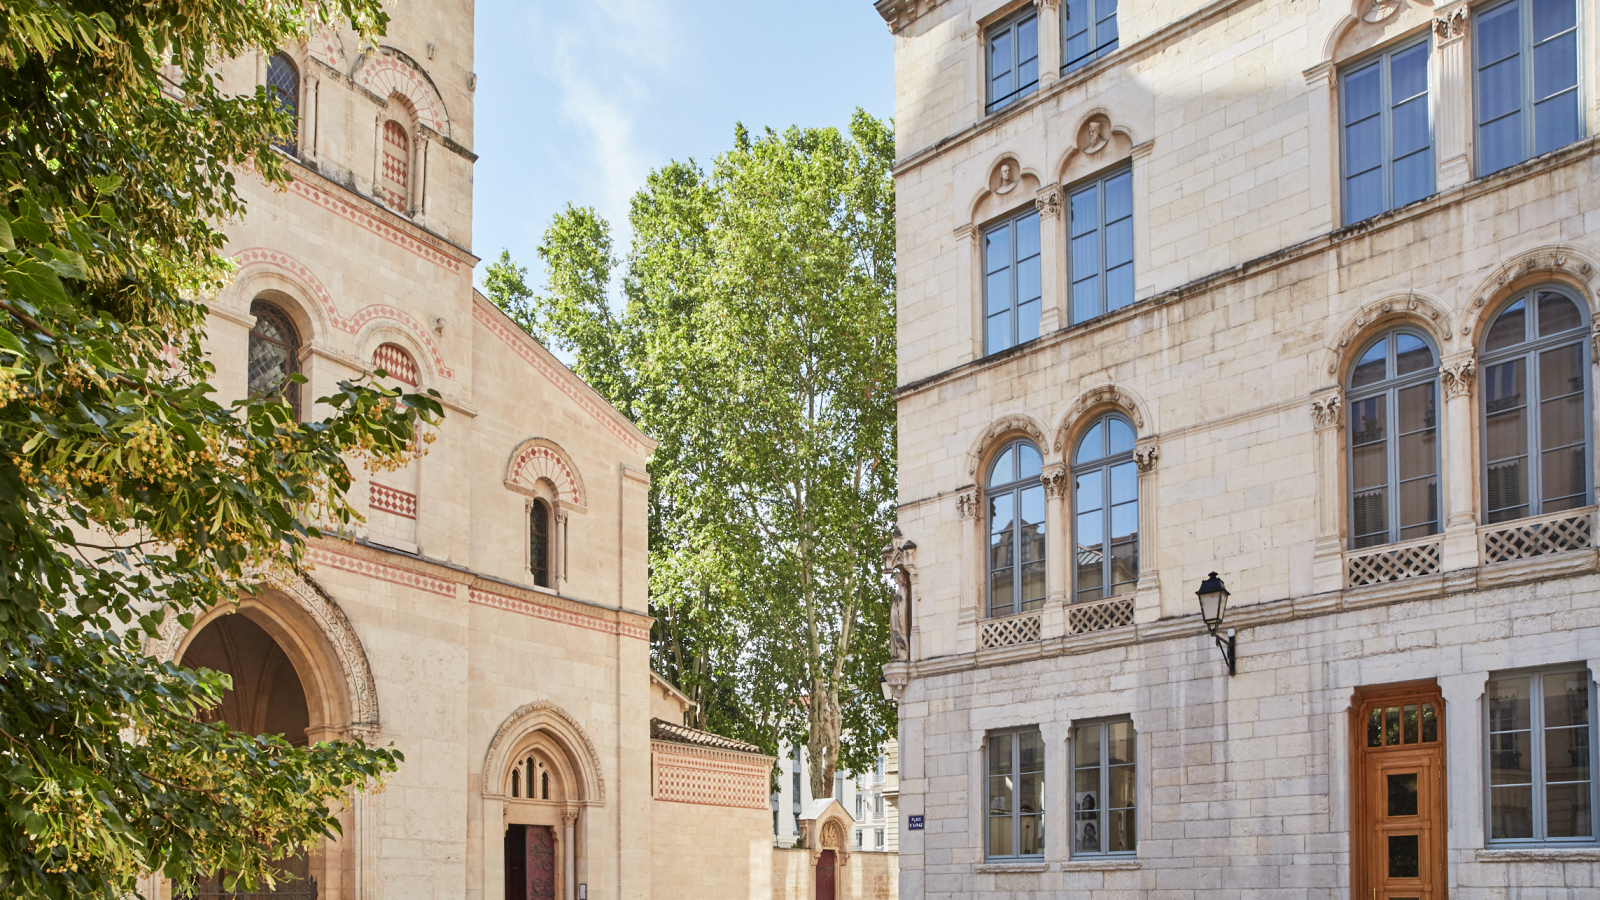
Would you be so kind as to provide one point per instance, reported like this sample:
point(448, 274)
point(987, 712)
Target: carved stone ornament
point(1380, 10)
point(1008, 179)
point(1016, 423)
point(1095, 137)
point(1107, 394)
point(1048, 203)
point(1457, 378)
point(897, 14)
point(1048, 6)
point(1596, 343)
point(1145, 458)
point(569, 817)
point(1451, 25)
point(967, 504)
point(542, 715)
point(1326, 412)
point(1056, 483)
point(900, 616)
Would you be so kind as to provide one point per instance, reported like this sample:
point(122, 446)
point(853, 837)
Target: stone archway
point(539, 775)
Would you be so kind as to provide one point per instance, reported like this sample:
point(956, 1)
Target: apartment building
point(1290, 305)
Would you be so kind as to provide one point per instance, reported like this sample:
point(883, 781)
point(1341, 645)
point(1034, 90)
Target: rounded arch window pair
point(1105, 526)
point(1535, 402)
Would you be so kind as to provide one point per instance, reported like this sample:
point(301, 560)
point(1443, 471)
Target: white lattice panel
point(1384, 566)
point(1100, 616)
point(1538, 537)
point(1008, 631)
point(686, 779)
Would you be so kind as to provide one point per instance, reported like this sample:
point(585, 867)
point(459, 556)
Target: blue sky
point(578, 102)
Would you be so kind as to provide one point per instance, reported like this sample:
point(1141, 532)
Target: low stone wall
point(869, 876)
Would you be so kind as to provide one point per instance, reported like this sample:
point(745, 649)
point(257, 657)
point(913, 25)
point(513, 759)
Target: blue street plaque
point(915, 824)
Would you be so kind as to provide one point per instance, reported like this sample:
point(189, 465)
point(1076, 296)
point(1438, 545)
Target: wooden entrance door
point(1398, 809)
point(825, 864)
point(530, 862)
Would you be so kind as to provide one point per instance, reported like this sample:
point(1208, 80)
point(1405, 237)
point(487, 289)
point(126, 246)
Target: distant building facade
point(1303, 294)
point(871, 798)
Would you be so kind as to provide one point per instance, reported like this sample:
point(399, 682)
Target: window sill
point(1539, 854)
point(1108, 864)
point(997, 868)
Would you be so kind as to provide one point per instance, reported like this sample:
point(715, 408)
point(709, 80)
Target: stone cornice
point(1275, 612)
point(1577, 152)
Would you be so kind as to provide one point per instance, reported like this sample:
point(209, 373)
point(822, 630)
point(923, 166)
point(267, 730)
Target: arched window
point(1016, 530)
point(1394, 440)
point(1535, 368)
point(283, 80)
point(516, 783)
point(1105, 501)
point(396, 166)
point(274, 355)
point(397, 363)
point(539, 543)
point(544, 785)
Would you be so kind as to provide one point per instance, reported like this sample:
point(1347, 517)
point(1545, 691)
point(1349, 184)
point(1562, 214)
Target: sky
point(578, 102)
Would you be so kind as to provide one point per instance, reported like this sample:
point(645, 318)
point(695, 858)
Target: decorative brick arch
point(322, 641)
point(555, 731)
point(541, 458)
point(391, 72)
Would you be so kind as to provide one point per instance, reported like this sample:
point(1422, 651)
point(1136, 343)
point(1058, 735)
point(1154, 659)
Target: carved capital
point(1048, 6)
point(1456, 377)
point(1596, 357)
point(1327, 412)
point(569, 818)
point(1048, 203)
point(1452, 24)
point(967, 504)
point(1055, 482)
point(1145, 458)
point(969, 234)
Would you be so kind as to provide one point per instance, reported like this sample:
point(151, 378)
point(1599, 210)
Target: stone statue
point(900, 617)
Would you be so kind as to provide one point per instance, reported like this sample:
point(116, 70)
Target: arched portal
point(267, 697)
point(825, 876)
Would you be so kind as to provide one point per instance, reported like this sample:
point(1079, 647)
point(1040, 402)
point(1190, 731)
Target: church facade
point(1292, 305)
point(489, 618)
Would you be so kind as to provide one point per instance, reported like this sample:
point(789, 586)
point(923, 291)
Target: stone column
point(569, 823)
point(1147, 596)
point(968, 505)
point(1058, 551)
point(969, 309)
point(558, 553)
point(1327, 415)
point(1463, 744)
point(1049, 41)
point(1452, 97)
point(1459, 458)
point(1322, 116)
point(1143, 284)
point(1052, 250)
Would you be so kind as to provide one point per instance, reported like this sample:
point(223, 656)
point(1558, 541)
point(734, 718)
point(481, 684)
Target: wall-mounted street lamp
point(1213, 596)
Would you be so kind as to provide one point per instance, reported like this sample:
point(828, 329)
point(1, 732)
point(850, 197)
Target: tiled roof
point(662, 730)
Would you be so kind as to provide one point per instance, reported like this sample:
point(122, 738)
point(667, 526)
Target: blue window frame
point(1016, 530)
point(1535, 365)
point(1088, 32)
point(1105, 506)
point(1540, 757)
point(1101, 219)
point(1013, 60)
point(1387, 138)
point(1011, 293)
point(1394, 440)
point(1527, 80)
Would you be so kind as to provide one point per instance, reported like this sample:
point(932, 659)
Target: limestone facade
point(489, 618)
point(1223, 129)
point(869, 797)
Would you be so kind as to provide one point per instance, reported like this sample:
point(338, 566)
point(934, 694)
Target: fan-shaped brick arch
point(538, 458)
point(385, 75)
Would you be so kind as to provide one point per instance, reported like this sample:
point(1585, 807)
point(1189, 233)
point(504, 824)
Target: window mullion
point(1105, 786)
point(1541, 829)
point(1535, 445)
point(1100, 238)
point(1386, 133)
point(1016, 789)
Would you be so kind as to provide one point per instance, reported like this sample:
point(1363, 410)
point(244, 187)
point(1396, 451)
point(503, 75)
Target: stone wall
point(869, 876)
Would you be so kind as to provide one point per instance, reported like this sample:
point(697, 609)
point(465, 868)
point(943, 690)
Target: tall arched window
point(1394, 440)
point(1105, 501)
point(1536, 406)
point(396, 166)
point(274, 355)
point(539, 542)
point(283, 80)
point(1016, 530)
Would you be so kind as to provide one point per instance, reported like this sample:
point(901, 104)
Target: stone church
point(489, 619)
point(1247, 427)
